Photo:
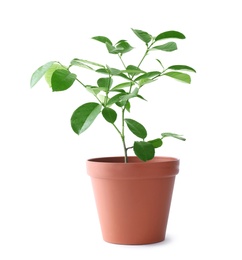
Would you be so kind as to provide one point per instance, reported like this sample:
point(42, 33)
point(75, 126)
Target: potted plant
point(133, 193)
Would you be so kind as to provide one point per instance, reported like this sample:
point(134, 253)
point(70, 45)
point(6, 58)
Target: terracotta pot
point(133, 199)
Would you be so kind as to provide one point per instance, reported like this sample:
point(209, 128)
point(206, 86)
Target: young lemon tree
point(111, 99)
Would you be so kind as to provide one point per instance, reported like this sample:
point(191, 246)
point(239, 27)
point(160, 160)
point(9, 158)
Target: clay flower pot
point(133, 199)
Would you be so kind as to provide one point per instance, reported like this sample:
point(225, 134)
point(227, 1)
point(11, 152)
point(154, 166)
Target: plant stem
point(123, 137)
point(81, 83)
point(147, 50)
point(123, 109)
point(120, 57)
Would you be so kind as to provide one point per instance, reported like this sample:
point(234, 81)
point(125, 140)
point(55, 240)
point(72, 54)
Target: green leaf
point(62, 79)
point(114, 99)
point(143, 82)
point(40, 72)
point(144, 36)
point(126, 97)
point(160, 63)
point(102, 70)
point(93, 89)
point(122, 85)
point(114, 72)
point(123, 76)
point(102, 98)
point(102, 39)
point(136, 128)
point(179, 76)
point(144, 150)
point(122, 104)
point(109, 114)
point(133, 70)
point(127, 106)
point(51, 70)
point(105, 83)
point(181, 67)
point(170, 34)
point(76, 62)
point(139, 96)
point(156, 142)
point(169, 46)
point(148, 75)
point(87, 62)
point(173, 135)
point(84, 116)
point(124, 46)
point(113, 50)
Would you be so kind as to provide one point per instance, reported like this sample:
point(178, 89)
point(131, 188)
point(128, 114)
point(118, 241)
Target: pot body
point(133, 199)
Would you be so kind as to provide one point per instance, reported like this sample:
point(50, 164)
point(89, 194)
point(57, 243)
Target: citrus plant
point(110, 97)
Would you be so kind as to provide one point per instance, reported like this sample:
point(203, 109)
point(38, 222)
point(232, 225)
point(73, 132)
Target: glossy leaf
point(48, 75)
point(122, 85)
point(113, 71)
point(79, 63)
point(93, 89)
point(114, 99)
point(104, 83)
point(145, 81)
point(144, 36)
point(160, 63)
point(62, 79)
point(87, 62)
point(144, 150)
point(122, 104)
point(102, 98)
point(136, 128)
point(170, 34)
point(156, 142)
point(109, 114)
point(102, 70)
point(113, 50)
point(141, 97)
point(124, 46)
point(40, 72)
point(133, 70)
point(124, 76)
point(127, 106)
point(84, 116)
point(126, 97)
point(148, 75)
point(102, 39)
point(169, 46)
point(179, 76)
point(181, 67)
point(173, 135)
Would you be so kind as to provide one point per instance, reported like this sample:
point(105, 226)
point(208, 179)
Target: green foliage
point(136, 128)
point(144, 36)
point(156, 142)
point(169, 46)
point(144, 150)
point(109, 114)
point(40, 72)
point(62, 79)
point(112, 96)
point(173, 135)
point(179, 76)
point(84, 116)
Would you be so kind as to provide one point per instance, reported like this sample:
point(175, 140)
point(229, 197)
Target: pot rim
point(131, 160)
point(115, 168)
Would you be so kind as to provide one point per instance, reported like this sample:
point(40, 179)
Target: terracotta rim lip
point(134, 160)
point(115, 168)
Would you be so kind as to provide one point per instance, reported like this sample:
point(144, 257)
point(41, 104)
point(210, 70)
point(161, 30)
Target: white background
point(47, 209)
